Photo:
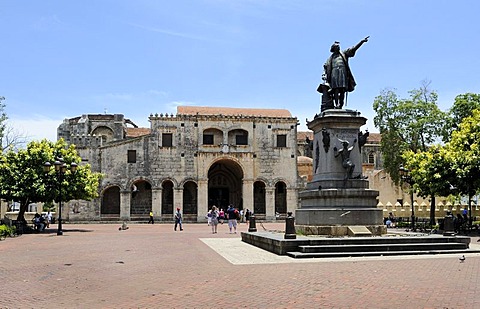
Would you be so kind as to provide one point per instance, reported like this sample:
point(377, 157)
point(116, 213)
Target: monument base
point(334, 211)
point(338, 230)
point(338, 201)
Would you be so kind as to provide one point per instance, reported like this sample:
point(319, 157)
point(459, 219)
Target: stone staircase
point(324, 247)
point(380, 246)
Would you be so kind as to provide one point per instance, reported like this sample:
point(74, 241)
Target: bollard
point(448, 228)
point(290, 227)
point(252, 227)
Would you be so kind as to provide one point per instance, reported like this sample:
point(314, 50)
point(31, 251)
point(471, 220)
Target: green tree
point(464, 156)
point(431, 171)
point(406, 124)
point(463, 107)
point(412, 124)
point(22, 176)
point(450, 169)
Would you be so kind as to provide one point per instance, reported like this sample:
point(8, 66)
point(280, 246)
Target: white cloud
point(168, 32)
point(36, 128)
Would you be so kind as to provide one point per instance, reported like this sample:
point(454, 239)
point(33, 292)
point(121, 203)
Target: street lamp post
point(406, 177)
point(60, 170)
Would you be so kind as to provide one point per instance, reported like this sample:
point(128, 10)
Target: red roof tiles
point(231, 111)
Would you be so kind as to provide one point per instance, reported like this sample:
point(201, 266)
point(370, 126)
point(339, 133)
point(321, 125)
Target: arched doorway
point(225, 184)
point(281, 198)
point(105, 132)
point(110, 202)
point(190, 198)
point(141, 201)
point(259, 198)
point(167, 200)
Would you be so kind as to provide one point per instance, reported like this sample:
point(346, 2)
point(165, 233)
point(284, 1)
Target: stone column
point(202, 198)
point(292, 199)
point(247, 194)
point(157, 202)
point(125, 197)
point(3, 208)
point(269, 203)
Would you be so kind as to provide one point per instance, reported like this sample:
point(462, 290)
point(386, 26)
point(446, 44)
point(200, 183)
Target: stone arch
point(238, 137)
point(141, 199)
point(190, 198)
point(259, 197)
point(225, 177)
point(371, 157)
point(167, 198)
point(281, 198)
point(212, 136)
point(110, 203)
point(104, 132)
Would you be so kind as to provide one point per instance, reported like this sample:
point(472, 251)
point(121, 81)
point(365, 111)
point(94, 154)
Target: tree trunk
point(470, 219)
point(432, 211)
point(21, 211)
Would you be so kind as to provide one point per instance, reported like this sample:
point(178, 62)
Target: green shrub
point(6, 230)
point(402, 224)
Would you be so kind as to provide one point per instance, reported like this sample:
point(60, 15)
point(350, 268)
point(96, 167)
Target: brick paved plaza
point(151, 266)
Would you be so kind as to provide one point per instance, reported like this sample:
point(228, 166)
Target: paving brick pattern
point(151, 266)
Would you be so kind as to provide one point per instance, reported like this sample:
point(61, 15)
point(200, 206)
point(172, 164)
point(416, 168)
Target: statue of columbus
point(337, 76)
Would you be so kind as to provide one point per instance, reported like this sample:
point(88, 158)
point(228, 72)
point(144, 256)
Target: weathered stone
point(192, 160)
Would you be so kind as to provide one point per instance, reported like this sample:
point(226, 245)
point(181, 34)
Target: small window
point(241, 139)
point(281, 140)
point(167, 140)
point(208, 139)
point(131, 156)
point(371, 158)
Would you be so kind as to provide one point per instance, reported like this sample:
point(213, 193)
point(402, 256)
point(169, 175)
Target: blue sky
point(61, 59)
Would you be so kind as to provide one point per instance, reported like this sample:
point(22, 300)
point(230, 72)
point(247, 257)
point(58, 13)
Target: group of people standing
point(215, 216)
point(233, 215)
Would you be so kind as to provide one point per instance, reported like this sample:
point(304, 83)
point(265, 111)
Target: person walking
point(209, 218)
point(178, 219)
point(232, 218)
point(151, 217)
point(221, 216)
point(214, 219)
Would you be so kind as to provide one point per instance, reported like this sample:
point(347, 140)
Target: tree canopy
point(463, 107)
point(464, 155)
point(430, 171)
point(406, 124)
point(22, 176)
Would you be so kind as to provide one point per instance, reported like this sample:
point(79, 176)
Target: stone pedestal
point(338, 196)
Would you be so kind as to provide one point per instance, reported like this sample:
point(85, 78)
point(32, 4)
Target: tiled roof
point(302, 135)
point(374, 137)
point(136, 132)
point(231, 111)
point(304, 160)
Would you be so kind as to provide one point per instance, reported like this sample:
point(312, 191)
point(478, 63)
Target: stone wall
point(175, 150)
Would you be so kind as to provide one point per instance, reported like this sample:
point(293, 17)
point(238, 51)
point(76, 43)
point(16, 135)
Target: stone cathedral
point(200, 157)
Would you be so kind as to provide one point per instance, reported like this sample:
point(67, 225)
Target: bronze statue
point(362, 139)
point(338, 77)
point(347, 163)
point(326, 139)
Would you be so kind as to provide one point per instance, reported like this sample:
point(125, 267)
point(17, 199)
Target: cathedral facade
point(200, 157)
